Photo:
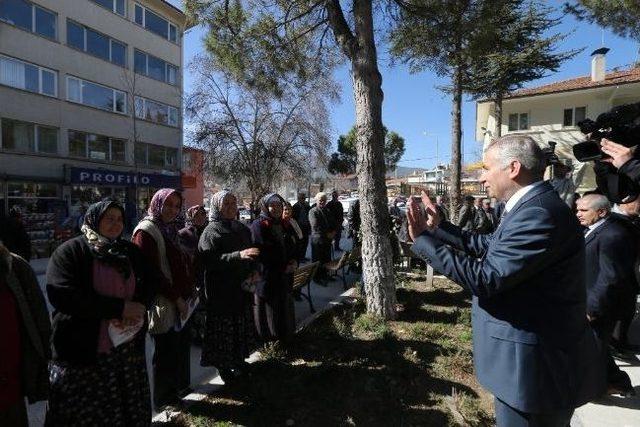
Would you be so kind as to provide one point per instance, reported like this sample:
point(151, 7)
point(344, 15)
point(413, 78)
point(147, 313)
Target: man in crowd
point(337, 211)
point(442, 205)
point(483, 224)
point(467, 214)
point(491, 214)
point(611, 253)
point(629, 215)
point(323, 230)
point(24, 346)
point(533, 348)
point(301, 215)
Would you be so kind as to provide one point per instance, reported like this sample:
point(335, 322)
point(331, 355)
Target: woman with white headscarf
point(230, 270)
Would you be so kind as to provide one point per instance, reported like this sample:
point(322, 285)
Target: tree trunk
point(498, 113)
point(456, 139)
point(377, 262)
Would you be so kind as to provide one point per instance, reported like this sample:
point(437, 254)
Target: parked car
point(244, 215)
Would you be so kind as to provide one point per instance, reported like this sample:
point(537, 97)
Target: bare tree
point(251, 136)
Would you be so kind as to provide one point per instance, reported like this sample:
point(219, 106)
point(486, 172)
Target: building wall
point(65, 115)
point(192, 177)
point(546, 113)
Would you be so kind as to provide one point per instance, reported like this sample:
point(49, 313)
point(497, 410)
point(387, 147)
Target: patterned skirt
point(228, 339)
point(112, 392)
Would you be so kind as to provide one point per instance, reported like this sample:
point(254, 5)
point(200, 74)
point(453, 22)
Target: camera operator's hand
point(619, 153)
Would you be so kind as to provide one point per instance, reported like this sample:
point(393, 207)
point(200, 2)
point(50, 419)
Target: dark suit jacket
point(533, 347)
point(610, 276)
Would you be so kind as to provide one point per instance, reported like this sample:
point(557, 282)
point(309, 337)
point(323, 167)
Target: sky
point(419, 112)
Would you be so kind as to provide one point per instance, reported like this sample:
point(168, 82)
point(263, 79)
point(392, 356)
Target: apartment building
point(90, 106)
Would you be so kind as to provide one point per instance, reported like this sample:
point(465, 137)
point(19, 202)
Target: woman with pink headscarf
point(157, 237)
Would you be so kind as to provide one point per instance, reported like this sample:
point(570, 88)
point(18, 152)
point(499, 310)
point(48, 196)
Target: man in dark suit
point(467, 214)
point(337, 211)
point(610, 259)
point(533, 347)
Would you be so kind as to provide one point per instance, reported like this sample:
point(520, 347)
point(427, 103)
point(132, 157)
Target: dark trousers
point(321, 252)
point(171, 364)
point(15, 416)
point(274, 316)
point(303, 244)
point(506, 416)
point(603, 327)
point(627, 313)
point(336, 239)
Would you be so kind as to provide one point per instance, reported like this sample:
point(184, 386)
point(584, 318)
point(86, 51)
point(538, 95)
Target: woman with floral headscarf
point(274, 236)
point(228, 257)
point(100, 287)
point(157, 236)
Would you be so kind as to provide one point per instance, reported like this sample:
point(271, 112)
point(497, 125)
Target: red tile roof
point(611, 79)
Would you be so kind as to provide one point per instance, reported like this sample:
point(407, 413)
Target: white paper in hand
point(192, 304)
point(123, 334)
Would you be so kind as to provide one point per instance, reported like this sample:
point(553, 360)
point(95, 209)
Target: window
point(28, 16)
point(573, 116)
point(155, 68)
point(116, 6)
point(22, 75)
point(96, 147)
point(156, 155)
point(156, 112)
point(95, 95)
point(518, 121)
point(156, 24)
point(96, 44)
point(28, 137)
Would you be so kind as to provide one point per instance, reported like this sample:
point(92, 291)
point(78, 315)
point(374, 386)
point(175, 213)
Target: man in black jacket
point(610, 278)
point(301, 215)
point(337, 211)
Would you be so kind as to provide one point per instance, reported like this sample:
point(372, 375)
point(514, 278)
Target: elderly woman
point(323, 230)
point(230, 270)
point(157, 236)
point(99, 286)
point(273, 312)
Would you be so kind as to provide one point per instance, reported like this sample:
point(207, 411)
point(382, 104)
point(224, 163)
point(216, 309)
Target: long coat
point(224, 270)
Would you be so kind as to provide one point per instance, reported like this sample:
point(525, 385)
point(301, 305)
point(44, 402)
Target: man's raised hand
point(421, 219)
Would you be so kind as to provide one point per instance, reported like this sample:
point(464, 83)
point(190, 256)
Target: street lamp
point(427, 134)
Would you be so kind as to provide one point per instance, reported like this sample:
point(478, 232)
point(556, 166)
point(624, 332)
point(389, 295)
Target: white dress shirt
point(519, 195)
point(595, 225)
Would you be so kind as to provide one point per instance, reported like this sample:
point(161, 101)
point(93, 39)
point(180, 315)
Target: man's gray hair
point(597, 202)
point(521, 148)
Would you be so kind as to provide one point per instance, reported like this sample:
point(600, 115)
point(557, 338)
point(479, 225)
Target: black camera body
point(619, 125)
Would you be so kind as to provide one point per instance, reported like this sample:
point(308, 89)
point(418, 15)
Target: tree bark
point(376, 246)
point(456, 139)
point(498, 113)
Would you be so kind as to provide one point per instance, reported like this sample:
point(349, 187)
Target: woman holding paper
point(99, 287)
point(230, 274)
point(157, 236)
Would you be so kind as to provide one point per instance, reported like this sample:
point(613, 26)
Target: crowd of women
point(109, 295)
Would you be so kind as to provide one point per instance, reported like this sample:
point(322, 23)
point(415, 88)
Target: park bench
point(337, 267)
point(302, 278)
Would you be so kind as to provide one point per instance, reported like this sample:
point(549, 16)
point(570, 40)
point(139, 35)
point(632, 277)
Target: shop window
point(155, 68)
point(96, 44)
point(116, 6)
point(155, 23)
point(26, 76)
point(26, 15)
point(156, 156)
point(95, 95)
point(98, 147)
point(28, 137)
point(77, 144)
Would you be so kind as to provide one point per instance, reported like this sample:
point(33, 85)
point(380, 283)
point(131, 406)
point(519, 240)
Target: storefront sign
point(127, 179)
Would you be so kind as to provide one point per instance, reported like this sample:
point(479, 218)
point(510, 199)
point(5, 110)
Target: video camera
point(619, 125)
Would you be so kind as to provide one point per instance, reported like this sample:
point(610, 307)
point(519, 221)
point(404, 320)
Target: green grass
point(352, 368)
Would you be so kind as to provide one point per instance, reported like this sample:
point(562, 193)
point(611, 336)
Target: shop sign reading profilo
point(117, 178)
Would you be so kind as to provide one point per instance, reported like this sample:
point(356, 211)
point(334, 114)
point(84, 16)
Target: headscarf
point(110, 251)
point(192, 212)
point(215, 205)
point(264, 205)
point(154, 213)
